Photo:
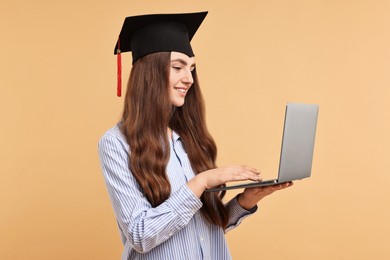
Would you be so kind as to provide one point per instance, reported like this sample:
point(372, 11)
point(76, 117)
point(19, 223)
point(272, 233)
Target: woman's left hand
point(251, 196)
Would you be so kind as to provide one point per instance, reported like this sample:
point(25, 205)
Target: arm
point(245, 204)
point(143, 226)
point(237, 213)
point(215, 177)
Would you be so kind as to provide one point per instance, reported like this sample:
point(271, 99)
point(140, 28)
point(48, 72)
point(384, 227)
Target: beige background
point(57, 97)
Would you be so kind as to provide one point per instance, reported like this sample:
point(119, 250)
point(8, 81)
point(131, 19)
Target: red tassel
point(119, 75)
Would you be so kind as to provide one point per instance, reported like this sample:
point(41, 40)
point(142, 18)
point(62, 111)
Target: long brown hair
point(147, 114)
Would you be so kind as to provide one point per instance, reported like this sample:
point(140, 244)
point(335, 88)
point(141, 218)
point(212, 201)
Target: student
point(160, 158)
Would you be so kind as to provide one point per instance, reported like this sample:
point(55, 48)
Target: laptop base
point(246, 185)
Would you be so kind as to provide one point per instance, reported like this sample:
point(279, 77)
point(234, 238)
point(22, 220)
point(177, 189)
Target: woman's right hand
point(218, 176)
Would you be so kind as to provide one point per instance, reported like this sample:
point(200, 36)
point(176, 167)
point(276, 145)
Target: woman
point(159, 160)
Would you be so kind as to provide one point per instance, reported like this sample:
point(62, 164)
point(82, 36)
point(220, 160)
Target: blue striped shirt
point(173, 230)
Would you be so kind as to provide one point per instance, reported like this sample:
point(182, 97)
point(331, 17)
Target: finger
point(254, 174)
point(287, 184)
point(249, 174)
point(242, 176)
point(281, 186)
point(254, 190)
point(272, 188)
point(254, 170)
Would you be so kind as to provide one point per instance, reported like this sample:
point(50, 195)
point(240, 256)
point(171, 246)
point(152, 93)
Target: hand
point(251, 196)
point(215, 177)
point(218, 176)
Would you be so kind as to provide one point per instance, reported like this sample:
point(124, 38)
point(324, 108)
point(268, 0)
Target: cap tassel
point(119, 75)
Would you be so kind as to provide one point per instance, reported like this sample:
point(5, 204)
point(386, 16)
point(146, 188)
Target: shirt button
point(201, 239)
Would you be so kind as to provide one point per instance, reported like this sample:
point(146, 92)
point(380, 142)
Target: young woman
point(160, 158)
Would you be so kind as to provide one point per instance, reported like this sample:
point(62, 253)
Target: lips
point(181, 90)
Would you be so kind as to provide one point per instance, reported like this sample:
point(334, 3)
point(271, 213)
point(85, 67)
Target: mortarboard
point(146, 34)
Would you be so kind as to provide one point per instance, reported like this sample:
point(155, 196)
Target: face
point(180, 77)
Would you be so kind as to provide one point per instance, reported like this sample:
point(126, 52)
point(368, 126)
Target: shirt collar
point(175, 136)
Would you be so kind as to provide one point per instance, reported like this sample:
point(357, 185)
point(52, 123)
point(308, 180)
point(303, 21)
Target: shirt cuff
point(237, 213)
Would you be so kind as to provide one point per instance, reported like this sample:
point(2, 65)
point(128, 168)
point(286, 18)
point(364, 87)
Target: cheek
point(174, 78)
point(171, 82)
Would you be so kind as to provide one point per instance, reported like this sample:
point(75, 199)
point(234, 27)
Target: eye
point(176, 68)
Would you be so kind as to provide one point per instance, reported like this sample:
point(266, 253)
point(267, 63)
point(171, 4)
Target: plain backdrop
point(58, 97)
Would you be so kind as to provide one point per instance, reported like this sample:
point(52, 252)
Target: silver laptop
point(296, 155)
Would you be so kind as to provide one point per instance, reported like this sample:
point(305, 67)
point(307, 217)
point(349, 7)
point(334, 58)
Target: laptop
point(300, 123)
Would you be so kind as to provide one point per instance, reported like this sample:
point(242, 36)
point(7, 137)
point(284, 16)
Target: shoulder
point(113, 137)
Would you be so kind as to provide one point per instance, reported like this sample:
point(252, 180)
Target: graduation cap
point(146, 34)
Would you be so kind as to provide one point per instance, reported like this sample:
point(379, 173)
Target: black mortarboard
point(146, 34)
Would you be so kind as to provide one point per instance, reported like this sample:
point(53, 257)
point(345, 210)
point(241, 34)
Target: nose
point(188, 78)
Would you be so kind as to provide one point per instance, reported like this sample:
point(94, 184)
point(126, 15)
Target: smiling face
point(180, 77)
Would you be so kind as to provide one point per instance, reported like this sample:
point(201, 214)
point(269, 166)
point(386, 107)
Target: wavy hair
point(147, 114)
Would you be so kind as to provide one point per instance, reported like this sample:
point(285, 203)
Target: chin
point(178, 103)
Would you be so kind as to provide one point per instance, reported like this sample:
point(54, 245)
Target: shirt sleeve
point(144, 226)
point(237, 213)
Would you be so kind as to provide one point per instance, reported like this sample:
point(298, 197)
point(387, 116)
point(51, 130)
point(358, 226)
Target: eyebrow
point(183, 62)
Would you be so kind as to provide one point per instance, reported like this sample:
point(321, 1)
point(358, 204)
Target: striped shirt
point(173, 230)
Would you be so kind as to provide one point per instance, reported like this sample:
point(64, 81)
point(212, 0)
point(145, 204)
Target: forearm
point(149, 227)
point(143, 226)
point(197, 185)
point(237, 213)
point(247, 203)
